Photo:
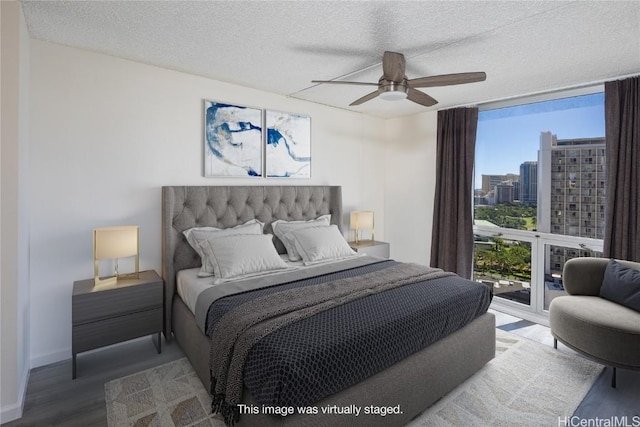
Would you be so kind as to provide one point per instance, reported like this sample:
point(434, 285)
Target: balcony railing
point(524, 268)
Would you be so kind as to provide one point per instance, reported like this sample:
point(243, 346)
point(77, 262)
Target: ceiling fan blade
point(448, 79)
point(365, 98)
point(393, 67)
point(341, 82)
point(420, 98)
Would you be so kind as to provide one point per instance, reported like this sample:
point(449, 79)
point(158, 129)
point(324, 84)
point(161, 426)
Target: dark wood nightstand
point(371, 247)
point(107, 315)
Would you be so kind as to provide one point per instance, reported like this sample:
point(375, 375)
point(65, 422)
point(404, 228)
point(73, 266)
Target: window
point(550, 156)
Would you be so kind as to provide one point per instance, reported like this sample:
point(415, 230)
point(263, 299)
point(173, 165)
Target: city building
point(529, 183)
point(571, 191)
point(490, 181)
point(504, 193)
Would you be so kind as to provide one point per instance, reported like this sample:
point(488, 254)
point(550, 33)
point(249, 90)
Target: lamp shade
point(115, 242)
point(361, 219)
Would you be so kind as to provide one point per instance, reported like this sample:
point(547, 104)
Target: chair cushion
point(598, 328)
point(622, 285)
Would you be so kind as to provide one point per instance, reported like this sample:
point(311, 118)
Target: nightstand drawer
point(93, 335)
point(92, 306)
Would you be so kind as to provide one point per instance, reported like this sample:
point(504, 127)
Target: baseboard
point(47, 359)
point(14, 411)
point(61, 355)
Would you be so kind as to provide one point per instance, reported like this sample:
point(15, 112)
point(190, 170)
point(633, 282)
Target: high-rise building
point(516, 190)
point(571, 189)
point(529, 183)
point(504, 193)
point(490, 181)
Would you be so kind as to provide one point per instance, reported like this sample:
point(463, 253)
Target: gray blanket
point(235, 334)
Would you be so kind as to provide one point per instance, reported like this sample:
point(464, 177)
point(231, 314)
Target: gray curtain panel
point(452, 235)
point(622, 212)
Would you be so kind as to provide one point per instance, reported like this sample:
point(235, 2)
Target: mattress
point(190, 285)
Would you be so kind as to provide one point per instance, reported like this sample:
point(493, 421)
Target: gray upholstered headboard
point(228, 206)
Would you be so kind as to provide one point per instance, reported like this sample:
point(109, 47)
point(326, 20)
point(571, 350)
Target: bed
point(414, 383)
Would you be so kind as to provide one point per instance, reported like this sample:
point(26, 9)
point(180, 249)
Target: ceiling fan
point(394, 85)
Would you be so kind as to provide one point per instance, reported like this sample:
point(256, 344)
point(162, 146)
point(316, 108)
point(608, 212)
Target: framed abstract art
point(232, 140)
point(288, 145)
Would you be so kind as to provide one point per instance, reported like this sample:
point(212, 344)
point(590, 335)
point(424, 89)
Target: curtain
point(452, 234)
point(622, 206)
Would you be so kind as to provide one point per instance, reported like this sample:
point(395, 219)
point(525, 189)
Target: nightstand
point(110, 314)
point(371, 247)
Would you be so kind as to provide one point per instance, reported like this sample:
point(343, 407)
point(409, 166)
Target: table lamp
point(114, 243)
point(362, 220)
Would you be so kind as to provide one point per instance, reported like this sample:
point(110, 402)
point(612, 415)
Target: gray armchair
point(602, 330)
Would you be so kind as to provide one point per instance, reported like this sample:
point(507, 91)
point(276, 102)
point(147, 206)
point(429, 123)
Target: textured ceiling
point(280, 46)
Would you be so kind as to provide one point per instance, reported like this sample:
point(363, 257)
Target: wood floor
point(54, 399)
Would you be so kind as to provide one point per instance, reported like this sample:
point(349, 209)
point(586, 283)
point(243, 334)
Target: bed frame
point(414, 383)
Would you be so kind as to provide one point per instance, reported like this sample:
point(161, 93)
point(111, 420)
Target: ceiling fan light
point(393, 95)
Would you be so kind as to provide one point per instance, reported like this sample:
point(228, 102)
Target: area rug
point(165, 396)
point(527, 384)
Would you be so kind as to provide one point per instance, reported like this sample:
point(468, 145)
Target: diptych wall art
point(288, 145)
point(235, 144)
point(233, 140)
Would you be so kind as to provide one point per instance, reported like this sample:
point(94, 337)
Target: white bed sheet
point(189, 285)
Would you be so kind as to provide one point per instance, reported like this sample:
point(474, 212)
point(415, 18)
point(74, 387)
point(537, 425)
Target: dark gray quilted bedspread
point(330, 351)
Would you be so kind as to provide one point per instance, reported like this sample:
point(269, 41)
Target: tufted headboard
point(228, 206)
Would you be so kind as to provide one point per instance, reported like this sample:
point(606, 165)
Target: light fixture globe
point(393, 96)
point(392, 91)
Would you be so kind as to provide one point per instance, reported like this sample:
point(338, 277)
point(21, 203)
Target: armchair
point(602, 330)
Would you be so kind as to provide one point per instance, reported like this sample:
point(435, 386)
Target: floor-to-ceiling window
point(539, 196)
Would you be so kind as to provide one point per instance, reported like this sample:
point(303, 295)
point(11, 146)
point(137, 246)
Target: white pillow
point(242, 254)
point(197, 235)
point(320, 244)
point(281, 228)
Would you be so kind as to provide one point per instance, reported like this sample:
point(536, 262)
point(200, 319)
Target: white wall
point(14, 212)
point(410, 186)
point(107, 133)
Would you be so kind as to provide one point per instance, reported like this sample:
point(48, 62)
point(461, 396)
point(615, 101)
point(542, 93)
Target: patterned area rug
point(166, 396)
point(527, 384)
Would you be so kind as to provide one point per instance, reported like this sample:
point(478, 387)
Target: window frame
point(539, 240)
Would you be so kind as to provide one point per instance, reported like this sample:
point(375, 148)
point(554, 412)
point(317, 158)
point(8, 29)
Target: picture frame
point(233, 140)
point(287, 145)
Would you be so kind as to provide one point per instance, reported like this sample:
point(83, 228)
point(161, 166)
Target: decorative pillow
point(282, 228)
point(197, 235)
point(242, 254)
point(621, 285)
point(318, 244)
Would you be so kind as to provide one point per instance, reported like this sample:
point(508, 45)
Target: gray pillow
point(621, 285)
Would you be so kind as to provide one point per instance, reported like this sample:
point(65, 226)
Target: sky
point(507, 137)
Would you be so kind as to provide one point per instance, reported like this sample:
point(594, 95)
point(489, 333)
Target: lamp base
point(109, 281)
point(113, 280)
point(129, 276)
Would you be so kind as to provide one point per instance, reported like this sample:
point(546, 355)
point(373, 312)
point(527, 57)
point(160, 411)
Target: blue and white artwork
point(232, 140)
point(288, 148)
